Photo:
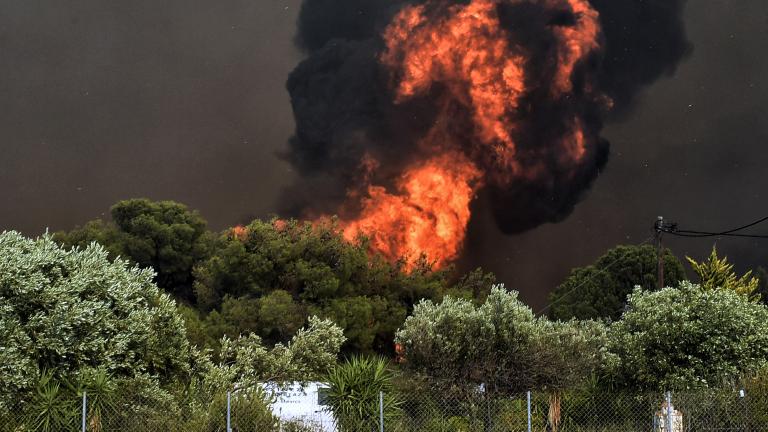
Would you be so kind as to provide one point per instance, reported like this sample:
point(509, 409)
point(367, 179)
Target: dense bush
point(70, 311)
point(268, 277)
point(688, 338)
point(500, 344)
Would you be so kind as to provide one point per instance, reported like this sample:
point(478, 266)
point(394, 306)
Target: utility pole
point(659, 226)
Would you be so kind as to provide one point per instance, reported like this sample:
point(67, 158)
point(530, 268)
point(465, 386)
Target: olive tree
point(68, 311)
point(500, 343)
point(691, 337)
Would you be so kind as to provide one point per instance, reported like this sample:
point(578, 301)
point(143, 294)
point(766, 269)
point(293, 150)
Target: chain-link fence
point(435, 411)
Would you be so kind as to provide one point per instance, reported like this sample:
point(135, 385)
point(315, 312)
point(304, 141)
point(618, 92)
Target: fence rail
point(422, 412)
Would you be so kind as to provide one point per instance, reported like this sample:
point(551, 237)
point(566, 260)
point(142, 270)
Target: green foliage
point(762, 284)
point(104, 233)
point(718, 273)
point(599, 291)
point(164, 235)
point(354, 391)
point(67, 311)
point(269, 276)
point(251, 408)
point(500, 343)
point(52, 407)
point(275, 317)
point(689, 337)
point(308, 356)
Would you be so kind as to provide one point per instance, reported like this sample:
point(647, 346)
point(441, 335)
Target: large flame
point(465, 49)
point(427, 215)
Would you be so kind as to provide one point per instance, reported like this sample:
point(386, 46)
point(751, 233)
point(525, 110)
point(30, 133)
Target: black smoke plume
point(343, 101)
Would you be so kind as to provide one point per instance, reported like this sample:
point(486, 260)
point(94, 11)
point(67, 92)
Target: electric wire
point(727, 233)
point(704, 235)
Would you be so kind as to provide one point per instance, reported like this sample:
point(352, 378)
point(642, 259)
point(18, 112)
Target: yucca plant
point(353, 396)
point(99, 387)
point(52, 409)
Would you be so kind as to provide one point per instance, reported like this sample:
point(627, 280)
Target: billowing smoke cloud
point(405, 111)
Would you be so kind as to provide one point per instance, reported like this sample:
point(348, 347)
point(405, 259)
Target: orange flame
point(576, 42)
point(465, 49)
point(239, 232)
point(428, 215)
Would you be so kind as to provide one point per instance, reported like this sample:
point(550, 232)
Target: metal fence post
point(85, 403)
point(381, 411)
point(529, 410)
point(229, 425)
point(669, 411)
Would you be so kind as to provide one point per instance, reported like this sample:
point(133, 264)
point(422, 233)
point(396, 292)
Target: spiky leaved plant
point(353, 396)
point(51, 408)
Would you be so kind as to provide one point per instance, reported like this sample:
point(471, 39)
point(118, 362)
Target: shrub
point(355, 388)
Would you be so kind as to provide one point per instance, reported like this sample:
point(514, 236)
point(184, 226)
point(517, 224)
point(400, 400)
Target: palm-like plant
point(51, 408)
point(100, 389)
point(353, 396)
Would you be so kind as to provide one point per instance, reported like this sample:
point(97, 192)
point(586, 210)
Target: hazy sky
point(102, 100)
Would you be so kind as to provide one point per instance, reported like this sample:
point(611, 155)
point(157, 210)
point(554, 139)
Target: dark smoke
point(343, 107)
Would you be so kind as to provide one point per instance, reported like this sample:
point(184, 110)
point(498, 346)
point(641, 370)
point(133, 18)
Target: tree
point(275, 317)
point(70, 311)
point(691, 337)
point(500, 343)
point(762, 286)
point(282, 271)
point(599, 291)
point(164, 235)
point(718, 273)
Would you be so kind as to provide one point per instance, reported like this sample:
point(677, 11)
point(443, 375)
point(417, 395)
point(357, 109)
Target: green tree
point(164, 235)
point(599, 291)
point(104, 233)
point(689, 337)
point(275, 317)
point(68, 311)
point(500, 343)
point(762, 285)
point(370, 322)
point(282, 271)
point(718, 273)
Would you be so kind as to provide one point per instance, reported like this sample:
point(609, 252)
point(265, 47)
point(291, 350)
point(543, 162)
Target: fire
point(468, 52)
point(480, 69)
point(428, 214)
point(576, 42)
point(239, 232)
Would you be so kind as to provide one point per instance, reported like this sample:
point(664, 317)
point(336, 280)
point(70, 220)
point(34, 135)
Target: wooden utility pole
point(660, 254)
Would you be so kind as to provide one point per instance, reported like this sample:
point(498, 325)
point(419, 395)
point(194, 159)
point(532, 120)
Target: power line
point(705, 234)
point(672, 229)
